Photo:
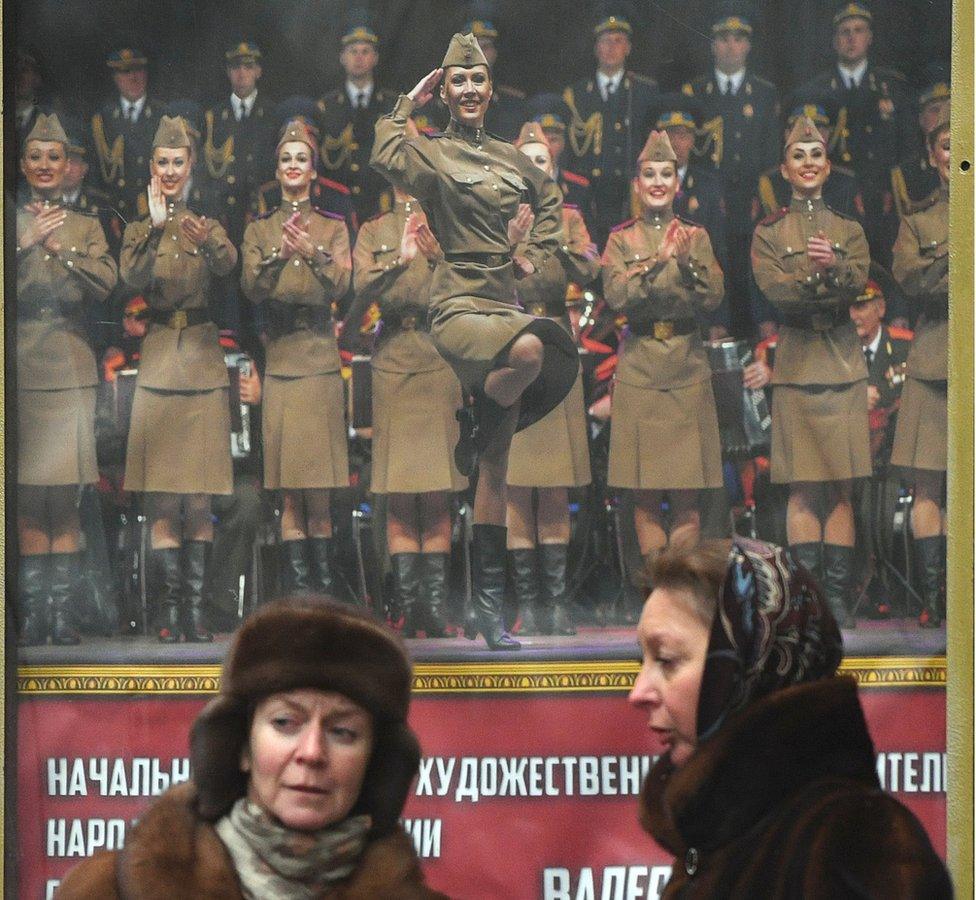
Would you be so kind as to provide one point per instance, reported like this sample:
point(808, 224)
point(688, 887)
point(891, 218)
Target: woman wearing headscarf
point(921, 265)
point(301, 767)
point(297, 264)
point(551, 456)
point(812, 262)
point(62, 265)
point(767, 786)
point(470, 185)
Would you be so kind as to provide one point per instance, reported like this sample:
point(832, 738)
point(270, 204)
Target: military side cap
point(126, 59)
point(464, 51)
point(360, 34)
point(657, 148)
point(531, 133)
point(47, 128)
point(244, 52)
point(804, 131)
point(551, 122)
point(297, 130)
point(172, 132)
point(612, 23)
point(190, 112)
point(674, 118)
point(935, 83)
point(735, 24)
point(482, 28)
point(75, 131)
point(852, 11)
point(941, 90)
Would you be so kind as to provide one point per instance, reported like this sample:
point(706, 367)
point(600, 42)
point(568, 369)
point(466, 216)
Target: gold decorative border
point(556, 677)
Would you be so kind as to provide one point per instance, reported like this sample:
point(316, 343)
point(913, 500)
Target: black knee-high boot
point(838, 583)
point(433, 592)
point(170, 597)
point(930, 562)
point(406, 580)
point(557, 618)
point(320, 550)
point(65, 568)
point(293, 568)
point(195, 629)
point(33, 599)
point(488, 583)
point(525, 581)
point(810, 556)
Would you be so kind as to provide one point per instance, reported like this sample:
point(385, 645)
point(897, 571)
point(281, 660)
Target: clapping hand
point(820, 252)
point(41, 229)
point(521, 224)
point(194, 229)
point(428, 244)
point(408, 243)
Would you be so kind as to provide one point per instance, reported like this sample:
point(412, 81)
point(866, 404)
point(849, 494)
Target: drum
point(361, 393)
point(744, 422)
point(238, 365)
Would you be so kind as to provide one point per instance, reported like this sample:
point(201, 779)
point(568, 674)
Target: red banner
point(519, 796)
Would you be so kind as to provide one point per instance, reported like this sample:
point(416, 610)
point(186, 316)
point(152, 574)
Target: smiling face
point(852, 40)
point(466, 93)
point(730, 50)
point(656, 184)
point(307, 756)
point(939, 154)
point(172, 165)
point(539, 155)
point(806, 168)
point(44, 164)
point(296, 167)
point(243, 77)
point(674, 643)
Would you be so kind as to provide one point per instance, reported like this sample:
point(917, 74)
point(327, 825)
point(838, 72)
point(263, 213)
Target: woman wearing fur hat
point(767, 786)
point(811, 263)
point(552, 455)
point(660, 271)
point(301, 767)
point(178, 453)
point(297, 263)
point(62, 264)
point(471, 184)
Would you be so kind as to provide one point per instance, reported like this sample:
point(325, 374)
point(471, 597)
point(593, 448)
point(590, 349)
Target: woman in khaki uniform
point(179, 441)
point(811, 263)
point(552, 455)
point(296, 262)
point(661, 272)
point(921, 265)
point(416, 396)
point(62, 263)
point(470, 184)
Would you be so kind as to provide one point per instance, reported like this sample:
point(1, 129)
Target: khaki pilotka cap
point(297, 130)
point(173, 132)
point(804, 131)
point(464, 51)
point(531, 133)
point(657, 149)
point(48, 128)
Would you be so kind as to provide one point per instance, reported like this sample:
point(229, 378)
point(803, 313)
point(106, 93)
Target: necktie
point(868, 356)
point(238, 109)
point(611, 90)
point(361, 100)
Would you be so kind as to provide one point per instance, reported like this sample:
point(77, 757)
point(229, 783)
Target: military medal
point(748, 111)
point(886, 107)
point(693, 204)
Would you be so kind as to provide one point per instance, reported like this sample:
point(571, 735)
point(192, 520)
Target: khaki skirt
point(474, 320)
point(179, 442)
point(56, 437)
point(304, 427)
point(553, 452)
point(664, 439)
point(820, 433)
point(414, 432)
point(921, 433)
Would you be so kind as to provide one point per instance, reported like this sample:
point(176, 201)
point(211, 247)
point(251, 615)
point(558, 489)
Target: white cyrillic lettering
point(467, 780)
point(139, 784)
point(95, 838)
point(56, 837)
point(489, 777)
point(586, 889)
point(535, 776)
point(569, 764)
point(630, 780)
point(657, 881)
point(78, 786)
point(160, 779)
point(444, 774)
point(551, 789)
point(424, 787)
point(635, 875)
point(589, 782)
point(98, 773)
point(555, 884)
point(180, 770)
point(57, 777)
point(613, 879)
point(910, 776)
point(608, 776)
point(513, 777)
point(119, 785)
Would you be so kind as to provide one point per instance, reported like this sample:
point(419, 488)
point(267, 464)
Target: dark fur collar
point(773, 749)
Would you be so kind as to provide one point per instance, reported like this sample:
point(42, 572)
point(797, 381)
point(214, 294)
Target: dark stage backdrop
point(544, 44)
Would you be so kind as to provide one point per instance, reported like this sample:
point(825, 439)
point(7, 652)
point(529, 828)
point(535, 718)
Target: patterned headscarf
point(772, 629)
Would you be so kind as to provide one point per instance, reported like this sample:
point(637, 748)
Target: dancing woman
point(470, 184)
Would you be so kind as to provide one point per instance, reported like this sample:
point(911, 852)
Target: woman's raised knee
point(526, 353)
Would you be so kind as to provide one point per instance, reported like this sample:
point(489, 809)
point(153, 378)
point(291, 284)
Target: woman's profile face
point(939, 155)
point(466, 93)
point(539, 155)
point(307, 756)
point(44, 164)
point(295, 167)
point(656, 184)
point(172, 165)
point(674, 643)
point(806, 167)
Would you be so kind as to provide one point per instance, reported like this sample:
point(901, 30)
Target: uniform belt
point(817, 321)
point(485, 259)
point(662, 329)
point(179, 319)
point(409, 322)
point(286, 319)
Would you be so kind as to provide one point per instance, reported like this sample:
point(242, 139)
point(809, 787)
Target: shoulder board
point(89, 212)
point(839, 214)
point(900, 334)
point(642, 79)
point(510, 91)
point(581, 180)
point(841, 170)
point(758, 79)
point(688, 89)
point(772, 218)
point(885, 72)
point(334, 185)
point(329, 215)
point(383, 93)
point(266, 215)
point(622, 225)
point(377, 216)
point(925, 203)
point(688, 221)
point(497, 137)
point(572, 206)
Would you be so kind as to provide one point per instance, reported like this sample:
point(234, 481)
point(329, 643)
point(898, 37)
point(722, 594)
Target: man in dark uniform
point(122, 134)
point(507, 110)
point(80, 195)
point(239, 138)
point(876, 127)
point(611, 115)
point(345, 118)
point(740, 127)
point(915, 179)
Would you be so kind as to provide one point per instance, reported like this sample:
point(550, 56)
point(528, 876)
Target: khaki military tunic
point(56, 371)
point(921, 265)
point(179, 439)
point(470, 185)
point(554, 452)
point(303, 419)
point(664, 431)
point(415, 392)
point(820, 406)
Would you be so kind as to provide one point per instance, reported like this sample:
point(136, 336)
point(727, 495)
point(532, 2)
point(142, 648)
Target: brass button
point(297, 262)
point(231, 179)
point(69, 263)
point(355, 189)
point(354, 167)
point(139, 160)
point(121, 182)
point(487, 168)
point(231, 201)
point(618, 126)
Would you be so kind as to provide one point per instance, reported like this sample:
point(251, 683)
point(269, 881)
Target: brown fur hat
point(304, 644)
